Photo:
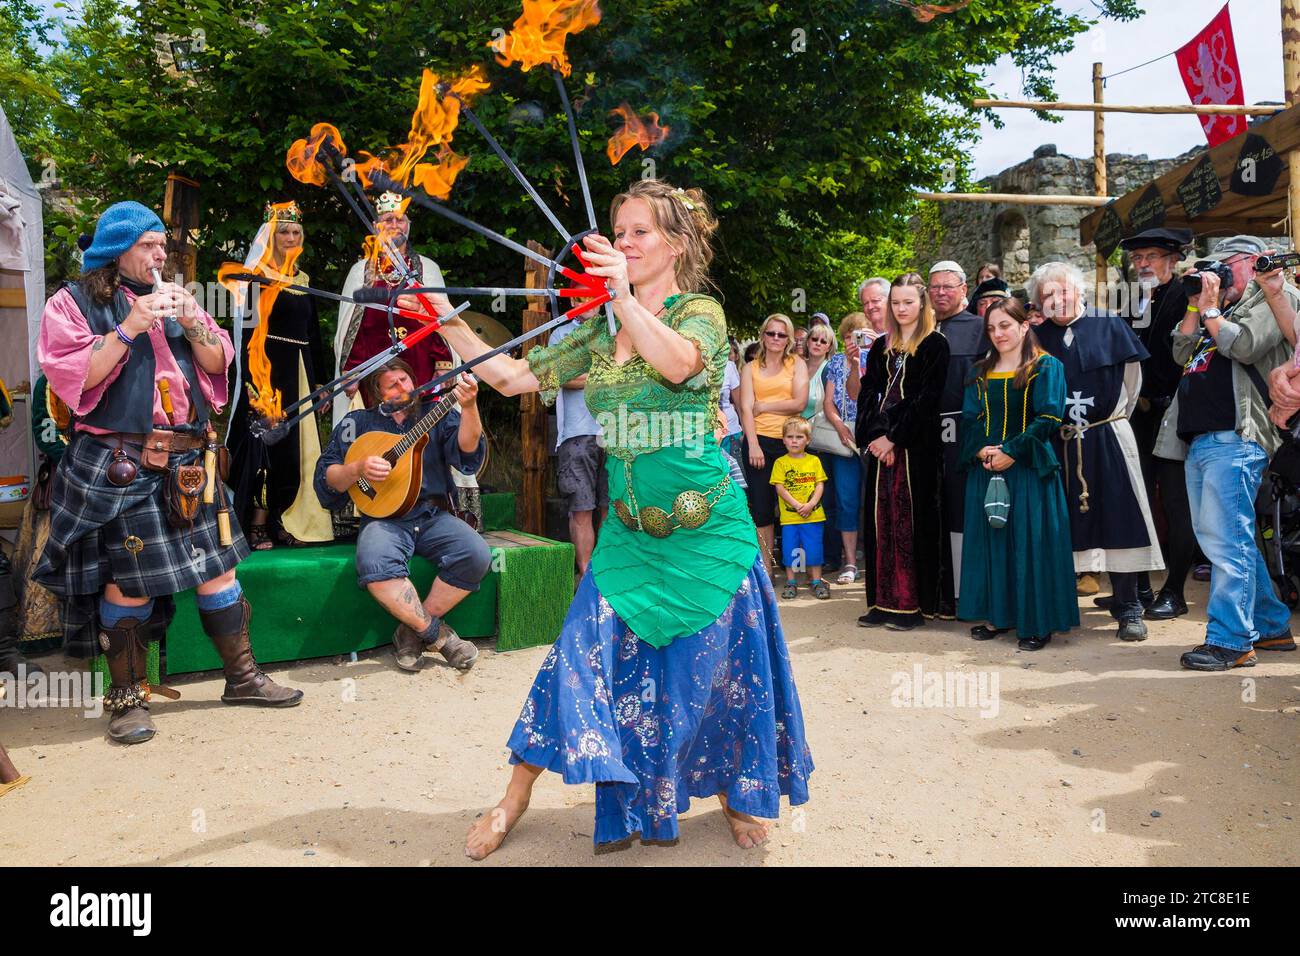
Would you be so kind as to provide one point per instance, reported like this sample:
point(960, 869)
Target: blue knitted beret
point(118, 229)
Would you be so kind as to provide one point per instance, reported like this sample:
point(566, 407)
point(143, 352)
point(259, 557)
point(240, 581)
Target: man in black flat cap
point(986, 293)
point(1161, 305)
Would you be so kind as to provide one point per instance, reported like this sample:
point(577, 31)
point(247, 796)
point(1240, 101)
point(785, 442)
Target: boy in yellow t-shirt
point(800, 482)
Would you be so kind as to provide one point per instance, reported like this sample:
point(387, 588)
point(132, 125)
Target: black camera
point(1278, 260)
point(1192, 281)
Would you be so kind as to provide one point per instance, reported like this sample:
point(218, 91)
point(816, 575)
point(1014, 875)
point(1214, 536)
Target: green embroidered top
point(659, 436)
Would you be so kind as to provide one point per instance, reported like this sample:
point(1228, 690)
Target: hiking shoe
point(1278, 642)
point(1132, 629)
point(1210, 657)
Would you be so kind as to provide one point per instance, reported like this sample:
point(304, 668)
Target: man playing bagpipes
point(138, 508)
point(393, 460)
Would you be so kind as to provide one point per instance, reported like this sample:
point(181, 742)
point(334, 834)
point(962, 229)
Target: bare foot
point(489, 831)
point(747, 831)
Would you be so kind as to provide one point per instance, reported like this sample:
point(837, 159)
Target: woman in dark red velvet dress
point(898, 432)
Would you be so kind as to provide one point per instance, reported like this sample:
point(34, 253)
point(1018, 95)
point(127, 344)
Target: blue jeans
point(385, 546)
point(1223, 476)
point(846, 475)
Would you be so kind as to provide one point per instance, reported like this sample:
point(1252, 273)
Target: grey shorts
point(580, 473)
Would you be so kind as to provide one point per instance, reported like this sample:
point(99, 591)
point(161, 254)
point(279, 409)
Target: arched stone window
point(1011, 245)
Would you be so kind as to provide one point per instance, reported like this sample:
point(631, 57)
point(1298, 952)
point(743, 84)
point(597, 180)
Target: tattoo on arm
point(99, 343)
point(200, 334)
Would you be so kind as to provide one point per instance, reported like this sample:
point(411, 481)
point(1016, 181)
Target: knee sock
point(215, 602)
point(110, 614)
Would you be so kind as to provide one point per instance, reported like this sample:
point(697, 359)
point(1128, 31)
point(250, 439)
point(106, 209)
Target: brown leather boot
point(245, 681)
point(128, 693)
point(459, 653)
point(408, 649)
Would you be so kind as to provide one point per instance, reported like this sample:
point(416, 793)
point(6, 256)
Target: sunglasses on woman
point(776, 335)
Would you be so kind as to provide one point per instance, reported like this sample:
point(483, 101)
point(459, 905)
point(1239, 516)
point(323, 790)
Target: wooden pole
point(181, 214)
point(1291, 82)
point(1099, 163)
point(1027, 199)
point(532, 413)
point(1200, 109)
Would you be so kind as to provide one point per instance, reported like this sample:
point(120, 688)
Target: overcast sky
point(1167, 25)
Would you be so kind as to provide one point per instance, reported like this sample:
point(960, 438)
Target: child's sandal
point(821, 590)
point(790, 591)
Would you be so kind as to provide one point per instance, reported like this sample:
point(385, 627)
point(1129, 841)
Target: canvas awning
point(1239, 186)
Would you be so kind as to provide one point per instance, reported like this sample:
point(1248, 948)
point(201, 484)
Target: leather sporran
point(183, 490)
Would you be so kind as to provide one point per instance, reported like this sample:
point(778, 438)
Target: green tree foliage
point(808, 123)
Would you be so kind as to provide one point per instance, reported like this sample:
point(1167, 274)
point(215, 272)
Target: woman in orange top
point(773, 387)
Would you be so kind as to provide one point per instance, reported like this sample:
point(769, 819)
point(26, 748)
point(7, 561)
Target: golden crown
point(282, 212)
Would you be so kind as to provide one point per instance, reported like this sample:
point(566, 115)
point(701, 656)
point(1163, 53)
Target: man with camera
point(1228, 341)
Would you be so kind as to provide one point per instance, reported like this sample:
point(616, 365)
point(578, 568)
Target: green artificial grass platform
point(306, 602)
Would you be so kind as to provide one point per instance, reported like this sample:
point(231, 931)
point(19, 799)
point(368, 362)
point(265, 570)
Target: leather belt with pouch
point(159, 444)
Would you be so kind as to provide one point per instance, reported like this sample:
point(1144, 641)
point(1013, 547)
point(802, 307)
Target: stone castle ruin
point(1019, 237)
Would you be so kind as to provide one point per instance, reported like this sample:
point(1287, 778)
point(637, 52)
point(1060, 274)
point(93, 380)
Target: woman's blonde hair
point(925, 323)
point(789, 338)
point(851, 323)
point(684, 219)
point(835, 344)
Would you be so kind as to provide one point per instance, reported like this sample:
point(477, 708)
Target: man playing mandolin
point(387, 466)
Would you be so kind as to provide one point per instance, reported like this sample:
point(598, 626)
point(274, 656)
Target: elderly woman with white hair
point(1110, 519)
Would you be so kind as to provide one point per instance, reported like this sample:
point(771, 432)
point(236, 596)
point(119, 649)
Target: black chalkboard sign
point(1258, 167)
point(1148, 212)
point(1200, 191)
point(1110, 229)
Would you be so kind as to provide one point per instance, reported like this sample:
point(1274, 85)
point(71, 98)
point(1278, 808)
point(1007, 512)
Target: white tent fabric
point(22, 266)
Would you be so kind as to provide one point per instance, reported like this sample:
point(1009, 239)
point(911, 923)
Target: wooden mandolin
point(397, 494)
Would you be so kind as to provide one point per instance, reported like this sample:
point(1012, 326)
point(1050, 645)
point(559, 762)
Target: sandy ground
point(1100, 753)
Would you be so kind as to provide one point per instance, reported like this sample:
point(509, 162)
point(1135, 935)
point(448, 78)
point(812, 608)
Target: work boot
point(1132, 629)
point(407, 648)
point(246, 683)
point(127, 698)
point(459, 653)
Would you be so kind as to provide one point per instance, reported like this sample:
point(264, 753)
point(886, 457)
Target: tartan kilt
point(90, 520)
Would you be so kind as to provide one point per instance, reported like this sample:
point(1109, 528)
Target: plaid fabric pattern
point(90, 520)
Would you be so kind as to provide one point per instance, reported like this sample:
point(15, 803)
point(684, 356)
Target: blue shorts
point(384, 549)
point(801, 545)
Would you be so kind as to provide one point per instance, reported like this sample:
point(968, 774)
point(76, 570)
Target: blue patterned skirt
point(715, 712)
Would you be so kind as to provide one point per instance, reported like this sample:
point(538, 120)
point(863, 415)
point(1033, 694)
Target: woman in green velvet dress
point(670, 679)
point(1020, 575)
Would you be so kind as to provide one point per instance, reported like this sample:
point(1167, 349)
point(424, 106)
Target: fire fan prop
point(536, 40)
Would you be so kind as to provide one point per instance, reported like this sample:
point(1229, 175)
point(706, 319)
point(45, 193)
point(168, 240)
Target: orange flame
point(263, 398)
point(537, 37)
point(301, 158)
point(635, 132)
point(436, 179)
point(433, 124)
